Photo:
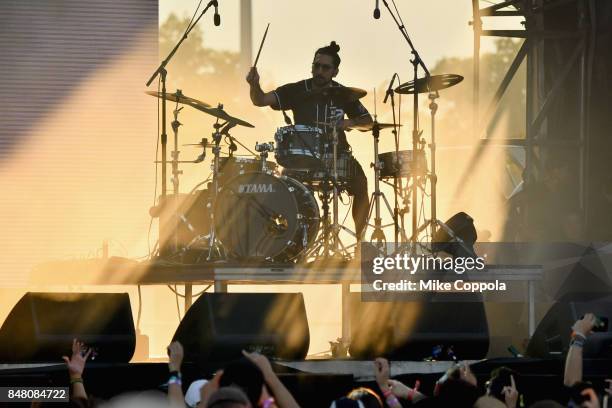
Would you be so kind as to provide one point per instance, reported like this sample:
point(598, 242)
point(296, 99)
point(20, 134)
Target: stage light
point(456, 236)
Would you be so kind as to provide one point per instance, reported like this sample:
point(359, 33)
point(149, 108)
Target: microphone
point(390, 88)
point(217, 17)
point(376, 11)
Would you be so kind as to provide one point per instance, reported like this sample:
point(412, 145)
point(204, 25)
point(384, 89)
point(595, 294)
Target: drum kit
point(252, 211)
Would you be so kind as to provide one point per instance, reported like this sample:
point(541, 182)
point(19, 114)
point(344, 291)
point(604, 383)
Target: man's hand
point(510, 394)
point(399, 389)
point(76, 362)
point(382, 373)
point(466, 374)
point(209, 389)
point(585, 325)
point(591, 400)
point(261, 362)
point(175, 354)
point(253, 77)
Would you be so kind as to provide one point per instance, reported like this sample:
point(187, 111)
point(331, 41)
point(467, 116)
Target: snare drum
point(406, 166)
point(314, 177)
point(299, 146)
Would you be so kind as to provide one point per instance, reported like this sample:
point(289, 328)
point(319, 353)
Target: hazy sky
point(371, 50)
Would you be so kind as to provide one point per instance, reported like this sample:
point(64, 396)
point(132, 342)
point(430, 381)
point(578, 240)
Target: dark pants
point(358, 188)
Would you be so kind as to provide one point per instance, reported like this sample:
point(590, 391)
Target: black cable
point(139, 308)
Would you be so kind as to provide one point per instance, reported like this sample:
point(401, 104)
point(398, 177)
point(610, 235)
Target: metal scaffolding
point(540, 96)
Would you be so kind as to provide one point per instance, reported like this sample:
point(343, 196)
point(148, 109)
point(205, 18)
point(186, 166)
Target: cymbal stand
point(215, 249)
point(175, 175)
point(378, 235)
point(433, 222)
point(397, 181)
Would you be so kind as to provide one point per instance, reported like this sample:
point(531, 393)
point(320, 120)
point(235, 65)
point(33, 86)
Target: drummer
point(313, 112)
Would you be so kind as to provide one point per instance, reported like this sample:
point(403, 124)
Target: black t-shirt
point(308, 111)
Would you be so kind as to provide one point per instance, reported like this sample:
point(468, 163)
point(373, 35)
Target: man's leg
point(358, 188)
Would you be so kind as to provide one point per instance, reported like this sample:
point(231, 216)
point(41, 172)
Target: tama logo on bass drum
point(255, 188)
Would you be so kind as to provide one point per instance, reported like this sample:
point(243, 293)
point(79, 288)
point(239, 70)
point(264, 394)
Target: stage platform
point(123, 271)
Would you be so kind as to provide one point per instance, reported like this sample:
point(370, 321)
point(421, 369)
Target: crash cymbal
point(429, 84)
point(217, 112)
point(339, 94)
point(179, 97)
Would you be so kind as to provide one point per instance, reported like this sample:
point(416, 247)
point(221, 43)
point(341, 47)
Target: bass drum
point(259, 216)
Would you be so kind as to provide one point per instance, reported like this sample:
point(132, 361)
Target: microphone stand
point(161, 70)
point(416, 61)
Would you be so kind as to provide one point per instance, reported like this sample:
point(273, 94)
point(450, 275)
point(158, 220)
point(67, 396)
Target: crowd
point(251, 382)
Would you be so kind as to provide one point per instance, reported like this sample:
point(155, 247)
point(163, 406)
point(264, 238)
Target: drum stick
point(263, 40)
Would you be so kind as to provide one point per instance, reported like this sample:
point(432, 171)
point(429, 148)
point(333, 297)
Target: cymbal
point(362, 128)
point(429, 84)
point(368, 127)
point(208, 145)
point(338, 94)
point(217, 112)
point(179, 97)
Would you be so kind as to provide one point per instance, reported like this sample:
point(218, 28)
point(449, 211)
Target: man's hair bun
point(332, 50)
point(334, 47)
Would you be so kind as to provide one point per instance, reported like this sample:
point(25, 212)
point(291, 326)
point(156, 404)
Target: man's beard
point(320, 81)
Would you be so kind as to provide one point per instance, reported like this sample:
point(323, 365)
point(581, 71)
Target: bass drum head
point(260, 216)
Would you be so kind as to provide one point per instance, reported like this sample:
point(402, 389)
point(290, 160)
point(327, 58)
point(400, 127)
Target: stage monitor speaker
point(218, 326)
point(415, 330)
point(552, 336)
point(41, 327)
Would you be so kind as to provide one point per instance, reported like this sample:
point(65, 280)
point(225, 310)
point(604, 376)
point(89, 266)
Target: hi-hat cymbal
point(339, 94)
point(368, 127)
point(179, 97)
point(429, 84)
point(217, 112)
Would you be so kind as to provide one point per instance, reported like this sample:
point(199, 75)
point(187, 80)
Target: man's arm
point(358, 121)
point(175, 385)
point(258, 96)
point(357, 115)
point(573, 363)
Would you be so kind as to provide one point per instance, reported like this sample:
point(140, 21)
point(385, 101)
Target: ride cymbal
point(429, 84)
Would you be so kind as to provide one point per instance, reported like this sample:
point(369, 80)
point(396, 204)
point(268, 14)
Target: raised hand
point(253, 77)
point(76, 362)
point(382, 373)
point(510, 394)
point(399, 389)
point(260, 361)
point(175, 354)
point(585, 325)
point(466, 374)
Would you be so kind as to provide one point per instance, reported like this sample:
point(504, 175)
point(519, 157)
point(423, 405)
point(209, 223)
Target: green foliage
point(456, 103)
point(194, 68)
